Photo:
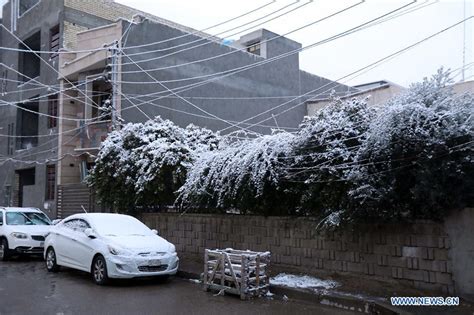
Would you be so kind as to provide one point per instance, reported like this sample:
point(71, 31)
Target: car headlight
point(114, 250)
point(19, 235)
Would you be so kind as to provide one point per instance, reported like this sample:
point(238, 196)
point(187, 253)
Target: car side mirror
point(56, 221)
point(90, 233)
point(155, 231)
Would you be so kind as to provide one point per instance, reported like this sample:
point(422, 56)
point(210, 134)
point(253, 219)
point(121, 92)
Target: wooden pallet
point(244, 273)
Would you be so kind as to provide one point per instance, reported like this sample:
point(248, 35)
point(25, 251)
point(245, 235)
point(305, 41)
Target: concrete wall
point(278, 78)
point(425, 255)
point(459, 227)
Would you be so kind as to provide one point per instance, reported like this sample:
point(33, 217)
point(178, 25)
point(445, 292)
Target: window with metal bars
point(10, 139)
point(254, 48)
point(29, 63)
point(54, 35)
point(52, 111)
point(50, 181)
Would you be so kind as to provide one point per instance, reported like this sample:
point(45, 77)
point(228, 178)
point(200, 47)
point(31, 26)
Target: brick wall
point(112, 11)
point(70, 34)
point(416, 255)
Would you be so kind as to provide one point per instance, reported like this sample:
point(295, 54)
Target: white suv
point(22, 231)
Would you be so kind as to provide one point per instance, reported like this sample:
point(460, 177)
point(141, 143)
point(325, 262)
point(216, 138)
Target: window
point(54, 35)
point(26, 218)
point(3, 84)
point(27, 125)
point(52, 111)
point(1, 217)
point(10, 139)
point(28, 63)
point(254, 48)
point(26, 5)
point(50, 181)
point(77, 225)
point(101, 96)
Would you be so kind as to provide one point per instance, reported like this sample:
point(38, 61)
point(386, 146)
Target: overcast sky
point(340, 57)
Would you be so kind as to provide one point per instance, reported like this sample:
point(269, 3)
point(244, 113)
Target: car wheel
point(5, 252)
point(51, 263)
point(99, 271)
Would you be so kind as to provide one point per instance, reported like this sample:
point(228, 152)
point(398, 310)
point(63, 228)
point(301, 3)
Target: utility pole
point(464, 45)
point(115, 60)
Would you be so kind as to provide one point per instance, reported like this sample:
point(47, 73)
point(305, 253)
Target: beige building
point(463, 87)
point(377, 93)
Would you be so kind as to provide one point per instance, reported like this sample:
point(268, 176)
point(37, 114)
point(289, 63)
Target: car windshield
point(120, 225)
point(27, 218)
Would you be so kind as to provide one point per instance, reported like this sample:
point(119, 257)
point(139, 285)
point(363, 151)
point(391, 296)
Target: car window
point(26, 218)
point(78, 225)
point(1, 217)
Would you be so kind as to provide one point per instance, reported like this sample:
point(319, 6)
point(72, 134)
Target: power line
point(208, 41)
point(104, 48)
point(198, 33)
point(240, 69)
point(359, 70)
point(247, 67)
point(342, 34)
point(45, 62)
point(183, 99)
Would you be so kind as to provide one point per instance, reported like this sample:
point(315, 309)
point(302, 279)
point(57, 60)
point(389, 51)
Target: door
point(82, 247)
point(75, 249)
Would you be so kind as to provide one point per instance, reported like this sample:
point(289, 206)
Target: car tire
point(51, 262)
point(99, 271)
point(5, 252)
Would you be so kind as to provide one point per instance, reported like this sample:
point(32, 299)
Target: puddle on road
point(52, 290)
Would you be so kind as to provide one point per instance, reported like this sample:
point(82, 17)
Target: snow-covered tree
point(143, 164)
point(246, 175)
point(410, 158)
point(326, 150)
point(417, 160)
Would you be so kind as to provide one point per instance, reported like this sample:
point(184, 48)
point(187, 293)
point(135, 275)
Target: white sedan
point(109, 246)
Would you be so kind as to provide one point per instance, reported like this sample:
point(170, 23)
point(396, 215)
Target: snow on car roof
point(114, 223)
point(98, 218)
point(97, 215)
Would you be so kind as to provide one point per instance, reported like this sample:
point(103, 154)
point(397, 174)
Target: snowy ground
point(302, 282)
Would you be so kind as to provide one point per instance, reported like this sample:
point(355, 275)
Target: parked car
point(22, 231)
point(109, 245)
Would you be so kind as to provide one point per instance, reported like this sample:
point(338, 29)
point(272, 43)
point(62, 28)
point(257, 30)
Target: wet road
point(27, 288)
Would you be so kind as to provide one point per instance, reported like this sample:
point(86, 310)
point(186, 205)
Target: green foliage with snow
point(408, 159)
point(142, 165)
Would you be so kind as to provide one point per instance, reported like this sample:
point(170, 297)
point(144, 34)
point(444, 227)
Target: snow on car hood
point(140, 244)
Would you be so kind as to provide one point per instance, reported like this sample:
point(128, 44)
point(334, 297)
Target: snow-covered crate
point(244, 273)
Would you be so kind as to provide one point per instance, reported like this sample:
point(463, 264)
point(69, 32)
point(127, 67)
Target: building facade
point(190, 77)
point(376, 93)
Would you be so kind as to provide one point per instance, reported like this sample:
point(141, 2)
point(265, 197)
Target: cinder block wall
point(416, 255)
